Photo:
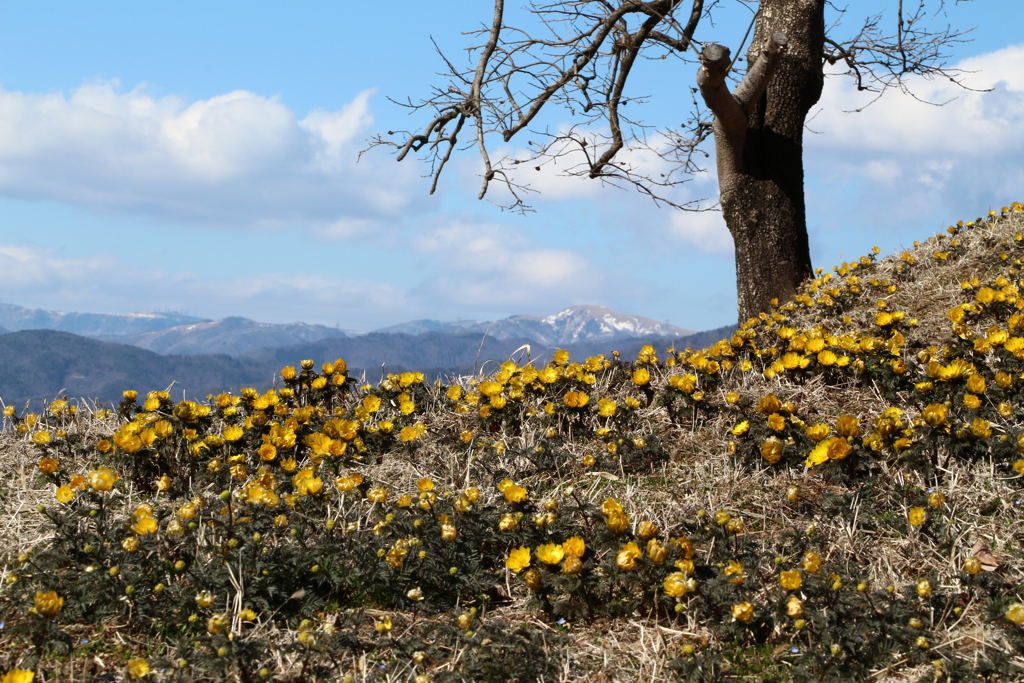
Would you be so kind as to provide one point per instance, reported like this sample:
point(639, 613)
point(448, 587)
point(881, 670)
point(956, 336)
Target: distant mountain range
point(38, 364)
point(173, 333)
point(230, 335)
point(579, 324)
point(15, 318)
point(205, 356)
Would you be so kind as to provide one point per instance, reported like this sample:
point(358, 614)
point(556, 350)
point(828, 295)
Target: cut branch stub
point(759, 75)
point(714, 60)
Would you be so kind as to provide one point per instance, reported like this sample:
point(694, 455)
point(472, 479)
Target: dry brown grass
point(702, 475)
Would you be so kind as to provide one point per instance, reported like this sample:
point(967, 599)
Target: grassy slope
point(679, 461)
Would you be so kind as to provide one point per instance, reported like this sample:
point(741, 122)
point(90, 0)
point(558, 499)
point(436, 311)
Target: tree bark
point(759, 145)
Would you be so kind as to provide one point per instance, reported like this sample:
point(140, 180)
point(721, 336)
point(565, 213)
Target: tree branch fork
point(731, 109)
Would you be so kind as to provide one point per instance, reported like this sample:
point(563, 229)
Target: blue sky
point(202, 157)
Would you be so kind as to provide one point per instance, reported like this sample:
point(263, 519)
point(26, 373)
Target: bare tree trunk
point(760, 153)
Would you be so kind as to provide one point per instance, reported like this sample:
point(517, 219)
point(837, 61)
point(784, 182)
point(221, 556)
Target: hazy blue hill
point(232, 335)
point(17, 318)
point(440, 353)
point(420, 352)
point(48, 363)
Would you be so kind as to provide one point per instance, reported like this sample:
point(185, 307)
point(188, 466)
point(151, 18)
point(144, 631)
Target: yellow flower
point(217, 623)
point(102, 479)
point(743, 611)
point(818, 432)
point(572, 565)
point(48, 604)
point(548, 375)
point(641, 377)
point(935, 415)
point(771, 450)
point(924, 588)
point(676, 585)
point(617, 522)
point(130, 544)
point(233, 433)
point(144, 525)
point(684, 383)
point(513, 493)
point(281, 437)
point(609, 506)
point(65, 494)
point(776, 422)
point(550, 553)
point(306, 483)
point(1015, 613)
point(560, 357)
point(575, 399)
point(41, 438)
point(18, 676)
point(981, 428)
point(916, 516)
point(827, 357)
point(741, 428)
point(412, 433)
point(606, 407)
point(626, 558)
point(811, 563)
point(247, 615)
point(835, 448)
point(574, 547)
point(972, 401)
point(735, 570)
point(377, 495)
point(656, 551)
point(794, 607)
point(518, 559)
point(790, 580)
point(450, 533)
point(204, 599)
point(768, 404)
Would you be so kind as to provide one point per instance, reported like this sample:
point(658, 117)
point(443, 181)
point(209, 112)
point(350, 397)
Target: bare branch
point(476, 96)
point(580, 57)
point(878, 60)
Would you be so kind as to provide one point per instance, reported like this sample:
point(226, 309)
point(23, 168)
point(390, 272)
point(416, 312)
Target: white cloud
point(705, 230)
point(901, 140)
point(467, 268)
point(488, 266)
point(236, 160)
point(42, 278)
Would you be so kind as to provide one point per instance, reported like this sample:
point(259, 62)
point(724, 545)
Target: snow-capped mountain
point(16, 318)
point(575, 325)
